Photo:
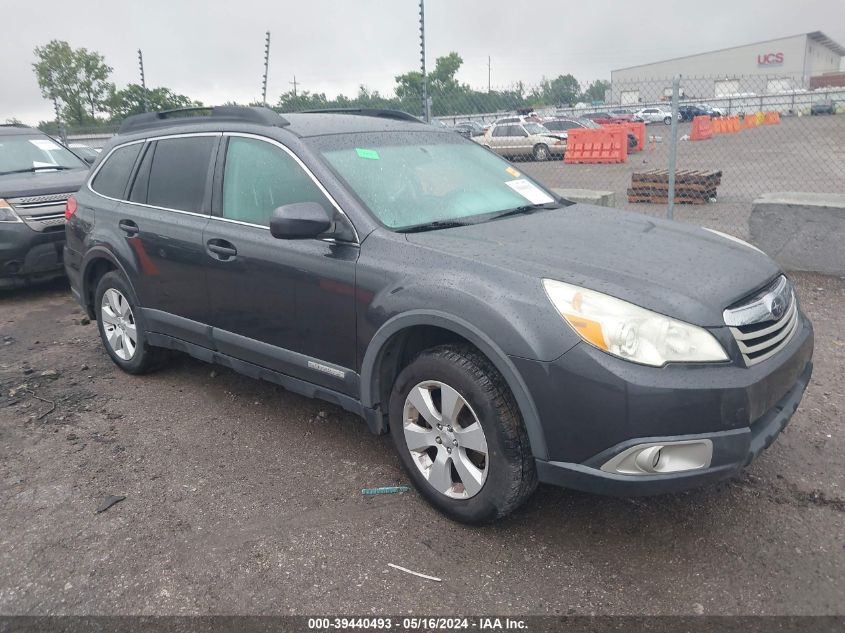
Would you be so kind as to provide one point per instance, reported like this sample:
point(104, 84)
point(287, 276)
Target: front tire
point(459, 435)
point(667, 120)
point(121, 326)
point(540, 152)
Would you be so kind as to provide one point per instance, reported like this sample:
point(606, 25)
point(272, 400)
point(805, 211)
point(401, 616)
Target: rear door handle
point(221, 249)
point(128, 226)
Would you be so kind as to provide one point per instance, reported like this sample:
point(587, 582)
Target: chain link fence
point(730, 141)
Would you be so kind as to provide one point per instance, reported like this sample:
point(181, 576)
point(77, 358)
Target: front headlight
point(630, 332)
point(7, 213)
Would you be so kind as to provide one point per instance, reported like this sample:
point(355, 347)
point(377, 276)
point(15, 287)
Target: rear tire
point(667, 120)
point(121, 326)
point(488, 470)
point(540, 152)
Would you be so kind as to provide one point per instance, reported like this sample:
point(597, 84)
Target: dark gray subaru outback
point(502, 335)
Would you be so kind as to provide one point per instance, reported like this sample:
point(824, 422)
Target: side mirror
point(302, 220)
point(89, 159)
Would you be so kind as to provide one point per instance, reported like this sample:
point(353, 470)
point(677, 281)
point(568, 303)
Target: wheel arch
point(97, 262)
point(381, 363)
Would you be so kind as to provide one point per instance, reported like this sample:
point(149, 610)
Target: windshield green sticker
point(367, 153)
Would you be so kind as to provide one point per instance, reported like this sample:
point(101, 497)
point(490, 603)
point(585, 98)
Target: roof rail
point(165, 118)
point(398, 115)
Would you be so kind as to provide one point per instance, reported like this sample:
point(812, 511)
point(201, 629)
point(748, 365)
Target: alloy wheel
point(119, 324)
point(445, 439)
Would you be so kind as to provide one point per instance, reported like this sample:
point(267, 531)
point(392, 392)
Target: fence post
point(673, 147)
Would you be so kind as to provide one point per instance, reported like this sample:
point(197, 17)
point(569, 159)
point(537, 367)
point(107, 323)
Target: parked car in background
point(524, 140)
point(625, 115)
point(468, 129)
point(517, 118)
point(501, 335)
point(603, 118)
point(86, 153)
point(715, 110)
point(823, 106)
point(561, 125)
point(37, 174)
point(655, 115)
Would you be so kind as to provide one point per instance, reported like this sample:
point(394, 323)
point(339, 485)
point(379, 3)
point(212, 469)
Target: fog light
point(661, 459)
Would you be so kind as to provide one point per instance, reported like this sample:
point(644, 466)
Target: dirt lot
point(243, 498)
point(801, 154)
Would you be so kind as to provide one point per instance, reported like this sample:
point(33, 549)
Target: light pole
point(426, 108)
point(143, 81)
point(266, 69)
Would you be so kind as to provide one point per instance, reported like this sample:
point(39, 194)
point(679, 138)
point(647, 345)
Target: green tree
point(302, 100)
point(596, 91)
point(130, 100)
point(562, 90)
point(76, 78)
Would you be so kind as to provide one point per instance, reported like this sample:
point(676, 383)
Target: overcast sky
point(213, 50)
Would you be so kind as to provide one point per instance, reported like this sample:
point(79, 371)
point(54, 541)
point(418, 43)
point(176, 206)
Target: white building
point(773, 66)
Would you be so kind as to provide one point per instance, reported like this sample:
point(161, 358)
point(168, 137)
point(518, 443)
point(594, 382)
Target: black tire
point(667, 120)
point(146, 358)
point(511, 474)
point(541, 152)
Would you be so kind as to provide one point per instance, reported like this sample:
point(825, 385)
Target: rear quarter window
point(179, 173)
point(112, 177)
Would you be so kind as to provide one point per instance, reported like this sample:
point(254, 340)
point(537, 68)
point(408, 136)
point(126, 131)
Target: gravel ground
point(242, 498)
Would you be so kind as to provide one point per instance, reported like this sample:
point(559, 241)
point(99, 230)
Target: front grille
point(758, 334)
point(32, 202)
point(42, 213)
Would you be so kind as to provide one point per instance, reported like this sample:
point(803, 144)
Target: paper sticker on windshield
point(43, 143)
point(367, 153)
point(529, 191)
point(513, 172)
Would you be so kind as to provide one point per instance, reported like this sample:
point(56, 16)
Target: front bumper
point(27, 255)
point(594, 406)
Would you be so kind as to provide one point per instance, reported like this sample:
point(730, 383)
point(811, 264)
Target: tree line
point(78, 82)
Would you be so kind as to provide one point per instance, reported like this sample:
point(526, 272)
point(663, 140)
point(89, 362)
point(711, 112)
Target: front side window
point(179, 173)
point(535, 128)
point(411, 179)
point(259, 177)
point(501, 130)
point(112, 177)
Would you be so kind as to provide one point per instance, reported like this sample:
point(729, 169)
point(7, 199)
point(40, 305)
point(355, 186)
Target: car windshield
point(588, 123)
point(22, 153)
point(415, 179)
point(535, 128)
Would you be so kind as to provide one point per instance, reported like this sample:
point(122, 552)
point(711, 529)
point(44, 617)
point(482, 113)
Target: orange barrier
point(635, 128)
point(771, 118)
point(597, 145)
point(734, 126)
point(759, 117)
point(718, 125)
point(750, 121)
point(638, 130)
point(702, 128)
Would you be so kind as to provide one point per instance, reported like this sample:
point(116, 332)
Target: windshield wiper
point(433, 226)
point(525, 209)
point(34, 169)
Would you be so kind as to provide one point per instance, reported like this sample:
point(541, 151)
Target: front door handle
point(221, 249)
point(128, 226)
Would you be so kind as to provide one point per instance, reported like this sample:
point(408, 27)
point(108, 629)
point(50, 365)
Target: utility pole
point(266, 69)
point(143, 81)
point(293, 83)
point(488, 74)
point(426, 109)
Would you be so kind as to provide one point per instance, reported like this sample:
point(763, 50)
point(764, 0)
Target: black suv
point(501, 334)
point(37, 175)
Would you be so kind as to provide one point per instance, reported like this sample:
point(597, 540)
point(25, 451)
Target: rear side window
point(112, 177)
point(179, 173)
point(259, 177)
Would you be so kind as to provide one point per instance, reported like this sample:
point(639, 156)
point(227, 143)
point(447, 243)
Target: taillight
point(70, 208)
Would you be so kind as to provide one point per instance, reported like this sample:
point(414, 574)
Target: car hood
point(675, 269)
point(41, 183)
